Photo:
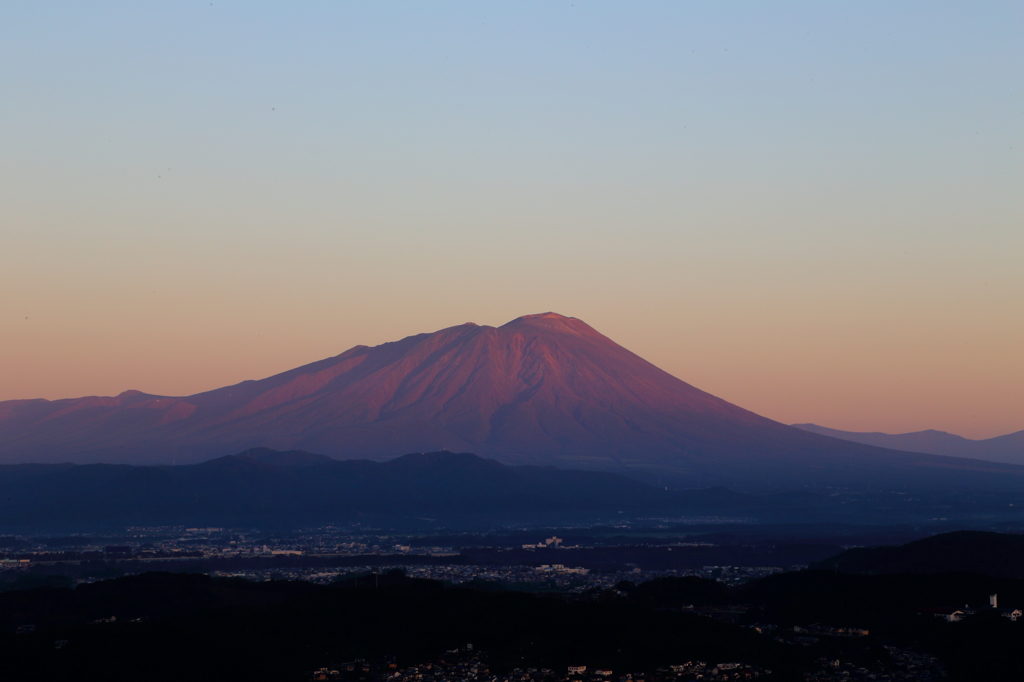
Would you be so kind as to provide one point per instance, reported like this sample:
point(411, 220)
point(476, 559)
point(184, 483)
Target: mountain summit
point(541, 389)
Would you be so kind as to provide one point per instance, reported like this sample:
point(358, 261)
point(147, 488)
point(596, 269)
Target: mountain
point(542, 389)
point(1008, 448)
point(997, 554)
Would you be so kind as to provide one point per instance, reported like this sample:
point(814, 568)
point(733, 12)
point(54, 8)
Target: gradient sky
point(813, 210)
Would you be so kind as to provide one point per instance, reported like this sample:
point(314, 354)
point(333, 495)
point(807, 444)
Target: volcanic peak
point(551, 322)
point(548, 315)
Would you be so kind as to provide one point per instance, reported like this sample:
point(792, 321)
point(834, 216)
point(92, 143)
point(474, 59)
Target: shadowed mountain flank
point(542, 389)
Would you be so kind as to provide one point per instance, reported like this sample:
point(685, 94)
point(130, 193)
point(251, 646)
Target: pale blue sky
point(810, 209)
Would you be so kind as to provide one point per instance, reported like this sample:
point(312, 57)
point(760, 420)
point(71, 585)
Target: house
point(948, 615)
point(993, 604)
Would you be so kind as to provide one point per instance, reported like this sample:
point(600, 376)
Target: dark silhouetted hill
point(160, 626)
point(994, 554)
point(198, 628)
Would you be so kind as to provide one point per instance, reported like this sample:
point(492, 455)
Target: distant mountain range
point(267, 488)
point(543, 389)
point(263, 488)
point(1008, 448)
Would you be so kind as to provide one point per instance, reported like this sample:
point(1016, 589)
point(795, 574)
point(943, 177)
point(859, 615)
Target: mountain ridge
point(1008, 448)
point(291, 489)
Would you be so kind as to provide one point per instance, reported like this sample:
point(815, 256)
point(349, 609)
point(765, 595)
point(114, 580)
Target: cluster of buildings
point(309, 554)
point(559, 577)
point(905, 666)
point(151, 545)
point(465, 665)
point(953, 615)
point(552, 541)
point(561, 569)
point(811, 633)
point(737, 575)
